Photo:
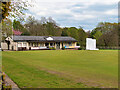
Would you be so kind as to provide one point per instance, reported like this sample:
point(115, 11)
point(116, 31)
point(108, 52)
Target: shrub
point(52, 48)
point(80, 48)
point(63, 48)
point(83, 48)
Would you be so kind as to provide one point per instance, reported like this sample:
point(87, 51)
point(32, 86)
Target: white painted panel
point(34, 48)
point(91, 44)
point(19, 44)
point(49, 38)
point(24, 44)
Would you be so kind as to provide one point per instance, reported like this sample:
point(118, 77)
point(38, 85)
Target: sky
point(75, 13)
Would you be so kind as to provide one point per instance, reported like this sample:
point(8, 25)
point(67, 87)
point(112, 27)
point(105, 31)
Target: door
point(12, 47)
point(8, 43)
point(57, 45)
point(47, 45)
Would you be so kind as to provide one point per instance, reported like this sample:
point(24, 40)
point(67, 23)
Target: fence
point(108, 47)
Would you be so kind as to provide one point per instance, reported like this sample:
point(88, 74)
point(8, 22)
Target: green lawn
point(62, 68)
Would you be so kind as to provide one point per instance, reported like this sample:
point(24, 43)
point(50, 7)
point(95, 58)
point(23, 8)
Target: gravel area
point(9, 82)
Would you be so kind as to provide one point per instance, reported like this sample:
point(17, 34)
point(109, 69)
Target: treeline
point(48, 27)
point(105, 33)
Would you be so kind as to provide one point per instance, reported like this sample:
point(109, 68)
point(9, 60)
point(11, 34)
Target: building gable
point(9, 39)
point(49, 38)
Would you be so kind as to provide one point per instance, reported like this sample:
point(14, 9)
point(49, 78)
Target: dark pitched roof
point(43, 38)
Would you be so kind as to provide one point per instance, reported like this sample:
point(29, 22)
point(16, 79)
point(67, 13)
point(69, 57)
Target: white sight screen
point(90, 44)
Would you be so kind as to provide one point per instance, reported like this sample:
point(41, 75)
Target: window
point(19, 44)
point(32, 44)
point(36, 44)
point(24, 44)
point(41, 44)
point(70, 44)
point(51, 44)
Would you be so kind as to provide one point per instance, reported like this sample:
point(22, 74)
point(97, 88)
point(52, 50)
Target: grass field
point(62, 68)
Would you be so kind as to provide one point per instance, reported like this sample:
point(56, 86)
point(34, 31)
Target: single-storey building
point(38, 42)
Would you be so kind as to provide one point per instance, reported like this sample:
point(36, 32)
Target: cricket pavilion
point(18, 43)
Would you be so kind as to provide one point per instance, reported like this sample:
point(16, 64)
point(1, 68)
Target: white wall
point(4, 46)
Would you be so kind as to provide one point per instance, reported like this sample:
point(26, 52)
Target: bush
point(63, 48)
point(52, 48)
point(81, 48)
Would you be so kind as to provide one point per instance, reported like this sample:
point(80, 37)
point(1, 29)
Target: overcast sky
point(75, 13)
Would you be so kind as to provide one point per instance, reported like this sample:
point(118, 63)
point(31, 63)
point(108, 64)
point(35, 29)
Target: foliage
point(88, 33)
point(64, 31)
point(105, 26)
point(52, 48)
point(82, 37)
point(4, 9)
point(48, 27)
point(81, 48)
point(78, 34)
point(106, 34)
point(72, 31)
point(7, 27)
point(42, 27)
point(13, 9)
point(63, 48)
point(109, 39)
point(96, 33)
point(18, 26)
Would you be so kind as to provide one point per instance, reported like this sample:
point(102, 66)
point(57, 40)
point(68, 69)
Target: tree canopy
point(106, 34)
point(13, 9)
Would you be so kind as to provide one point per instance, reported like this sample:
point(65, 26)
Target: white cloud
point(112, 12)
point(83, 17)
point(92, 1)
point(62, 10)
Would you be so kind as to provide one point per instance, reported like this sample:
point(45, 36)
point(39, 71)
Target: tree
point(4, 9)
point(18, 26)
point(52, 27)
point(106, 34)
point(73, 32)
point(7, 27)
point(88, 34)
point(109, 39)
point(82, 37)
point(96, 33)
point(14, 9)
point(46, 27)
point(30, 25)
point(105, 26)
point(35, 27)
point(64, 31)
point(43, 20)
